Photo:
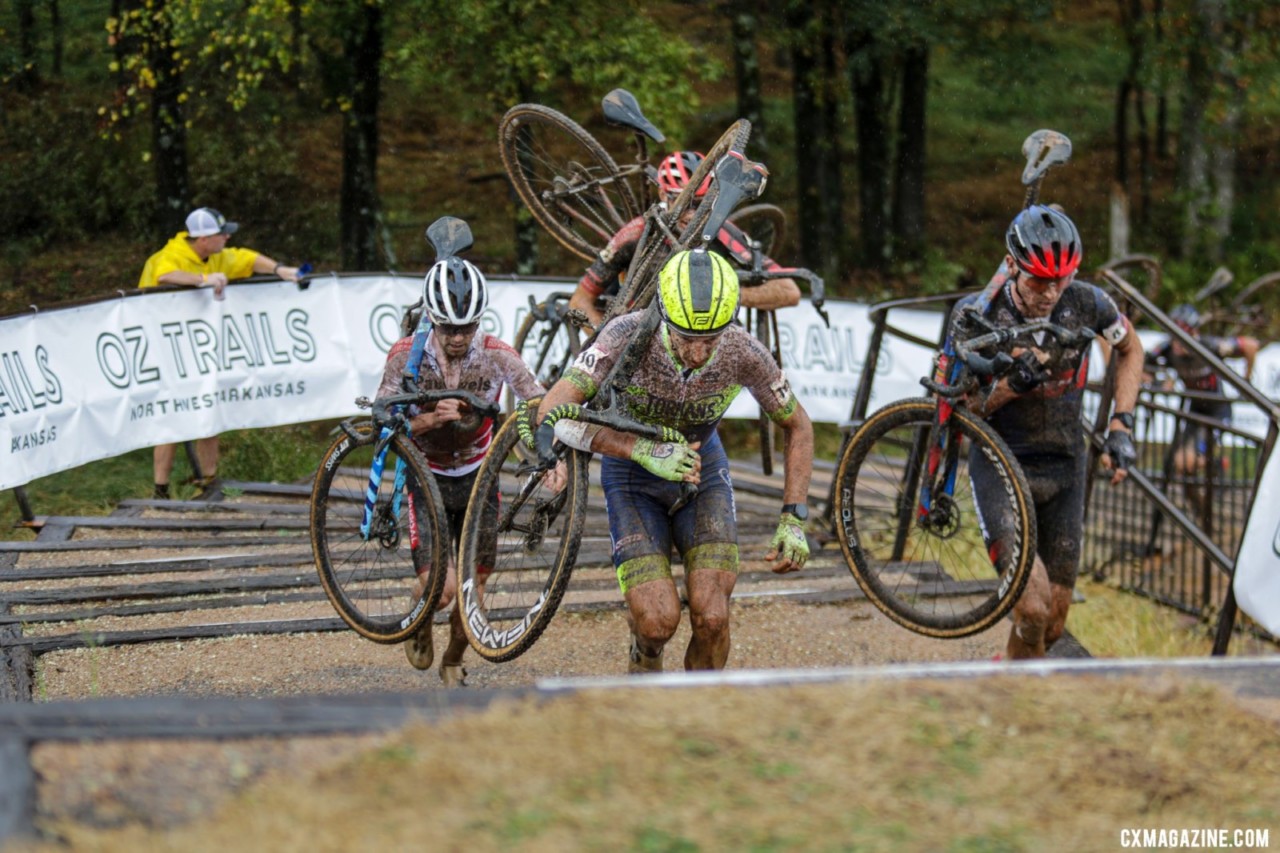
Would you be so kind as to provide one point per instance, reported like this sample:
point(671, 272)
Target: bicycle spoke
point(371, 579)
point(921, 551)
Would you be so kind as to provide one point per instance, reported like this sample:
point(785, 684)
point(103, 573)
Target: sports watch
point(1125, 419)
point(800, 511)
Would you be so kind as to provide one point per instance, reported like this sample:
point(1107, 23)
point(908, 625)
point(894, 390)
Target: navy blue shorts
point(705, 530)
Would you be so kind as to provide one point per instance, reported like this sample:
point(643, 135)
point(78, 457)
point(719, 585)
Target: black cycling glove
point(1119, 446)
point(1027, 373)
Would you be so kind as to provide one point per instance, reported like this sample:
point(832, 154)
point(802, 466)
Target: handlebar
point(383, 406)
point(817, 289)
point(991, 336)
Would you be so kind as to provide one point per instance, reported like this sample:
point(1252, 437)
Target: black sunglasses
point(456, 331)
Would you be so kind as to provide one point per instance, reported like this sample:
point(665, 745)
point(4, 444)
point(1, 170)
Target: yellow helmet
point(698, 292)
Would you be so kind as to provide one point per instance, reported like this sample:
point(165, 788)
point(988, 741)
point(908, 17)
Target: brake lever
point(688, 491)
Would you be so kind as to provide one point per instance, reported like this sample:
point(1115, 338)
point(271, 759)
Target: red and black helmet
point(1044, 242)
point(676, 169)
point(1186, 316)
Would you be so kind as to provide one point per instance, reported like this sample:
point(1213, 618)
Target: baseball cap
point(206, 221)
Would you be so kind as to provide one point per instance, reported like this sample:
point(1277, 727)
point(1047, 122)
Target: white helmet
point(454, 293)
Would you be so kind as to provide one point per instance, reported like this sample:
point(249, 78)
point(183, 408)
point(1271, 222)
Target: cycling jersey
point(1198, 376)
point(1046, 420)
point(603, 277)
point(458, 447)
point(177, 255)
point(691, 400)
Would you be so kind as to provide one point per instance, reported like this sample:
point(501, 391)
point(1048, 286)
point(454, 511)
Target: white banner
point(94, 381)
point(1257, 576)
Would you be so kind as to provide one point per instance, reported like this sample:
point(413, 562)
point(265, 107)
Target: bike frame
point(391, 415)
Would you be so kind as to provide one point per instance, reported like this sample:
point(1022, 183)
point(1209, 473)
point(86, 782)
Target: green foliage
point(221, 49)
point(59, 182)
point(251, 172)
point(476, 51)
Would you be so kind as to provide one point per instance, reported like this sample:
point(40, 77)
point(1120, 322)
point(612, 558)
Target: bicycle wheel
point(642, 275)
point(765, 322)
point(930, 572)
point(370, 580)
point(569, 182)
point(547, 344)
point(513, 569)
point(764, 223)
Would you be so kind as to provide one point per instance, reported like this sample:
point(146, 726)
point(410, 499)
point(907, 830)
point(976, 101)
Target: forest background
point(335, 132)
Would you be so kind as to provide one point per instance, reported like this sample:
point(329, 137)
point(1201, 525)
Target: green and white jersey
point(691, 400)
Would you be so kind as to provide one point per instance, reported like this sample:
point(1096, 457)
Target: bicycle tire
point(505, 613)
point(546, 154)
point(764, 223)
point(941, 583)
point(642, 275)
point(557, 345)
point(369, 581)
point(764, 424)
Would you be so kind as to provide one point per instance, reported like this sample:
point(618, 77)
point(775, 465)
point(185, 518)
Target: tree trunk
point(908, 203)
point(168, 123)
point(1193, 171)
point(867, 80)
point(746, 66)
point(1225, 136)
point(59, 36)
point(358, 206)
point(830, 182)
point(1162, 100)
point(805, 68)
point(28, 75)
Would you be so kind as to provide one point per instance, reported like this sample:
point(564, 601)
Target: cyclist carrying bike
point(1037, 408)
point(603, 277)
point(454, 355)
point(690, 371)
point(1193, 446)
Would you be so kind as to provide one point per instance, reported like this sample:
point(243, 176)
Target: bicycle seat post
point(642, 160)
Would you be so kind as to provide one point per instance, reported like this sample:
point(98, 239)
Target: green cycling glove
point(789, 542)
point(525, 412)
point(665, 459)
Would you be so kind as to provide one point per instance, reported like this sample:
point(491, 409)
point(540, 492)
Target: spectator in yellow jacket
point(200, 257)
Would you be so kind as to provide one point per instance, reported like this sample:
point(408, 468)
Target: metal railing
point(1171, 532)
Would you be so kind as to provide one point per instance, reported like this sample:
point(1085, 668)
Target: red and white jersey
point(458, 447)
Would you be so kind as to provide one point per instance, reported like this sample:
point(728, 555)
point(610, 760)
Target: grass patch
point(1113, 623)
point(857, 774)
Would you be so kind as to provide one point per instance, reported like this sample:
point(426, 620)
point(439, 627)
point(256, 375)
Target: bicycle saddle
point(622, 109)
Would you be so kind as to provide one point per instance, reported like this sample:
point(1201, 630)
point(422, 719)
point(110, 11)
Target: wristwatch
point(800, 511)
point(1125, 419)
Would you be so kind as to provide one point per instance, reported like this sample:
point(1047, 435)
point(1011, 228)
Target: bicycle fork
point(375, 483)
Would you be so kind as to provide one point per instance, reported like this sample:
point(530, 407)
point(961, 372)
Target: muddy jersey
point(690, 400)
point(458, 447)
point(1196, 375)
point(605, 273)
point(1046, 420)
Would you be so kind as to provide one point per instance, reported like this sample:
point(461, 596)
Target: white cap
point(206, 221)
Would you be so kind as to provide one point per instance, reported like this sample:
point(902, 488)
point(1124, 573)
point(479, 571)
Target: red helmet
point(676, 169)
point(1044, 242)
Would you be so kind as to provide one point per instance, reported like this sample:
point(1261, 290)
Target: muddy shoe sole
point(419, 649)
